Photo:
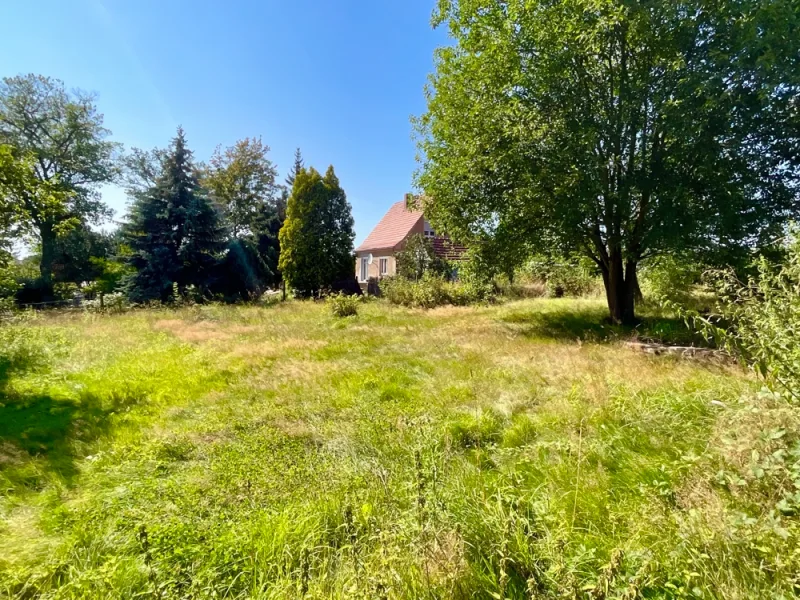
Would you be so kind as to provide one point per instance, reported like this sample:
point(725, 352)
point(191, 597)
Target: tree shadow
point(592, 324)
point(43, 434)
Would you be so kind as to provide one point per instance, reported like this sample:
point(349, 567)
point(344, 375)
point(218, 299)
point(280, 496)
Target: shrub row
point(430, 291)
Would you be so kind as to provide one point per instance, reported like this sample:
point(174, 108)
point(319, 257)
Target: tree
point(75, 253)
point(621, 130)
point(242, 181)
point(175, 232)
point(62, 135)
point(316, 239)
point(418, 257)
point(298, 165)
point(141, 170)
point(16, 177)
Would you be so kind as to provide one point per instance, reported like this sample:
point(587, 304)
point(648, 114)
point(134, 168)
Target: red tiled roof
point(444, 248)
point(392, 228)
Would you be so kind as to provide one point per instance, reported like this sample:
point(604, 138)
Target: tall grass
point(281, 452)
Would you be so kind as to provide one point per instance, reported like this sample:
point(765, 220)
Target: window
point(364, 268)
point(384, 264)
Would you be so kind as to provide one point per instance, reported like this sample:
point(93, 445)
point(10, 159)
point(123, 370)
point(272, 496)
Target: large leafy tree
point(62, 137)
point(317, 237)
point(615, 128)
point(174, 231)
point(242, 180)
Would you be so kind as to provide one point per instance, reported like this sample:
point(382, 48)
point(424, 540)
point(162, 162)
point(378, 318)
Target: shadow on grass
point(40, 433)
point(592, 324)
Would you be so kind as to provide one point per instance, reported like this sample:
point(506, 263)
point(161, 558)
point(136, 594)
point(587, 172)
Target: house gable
point(392, 230)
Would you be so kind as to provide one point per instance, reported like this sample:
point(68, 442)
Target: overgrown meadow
point(512, 451)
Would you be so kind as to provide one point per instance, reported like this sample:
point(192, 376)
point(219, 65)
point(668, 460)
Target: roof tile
point(392, 228)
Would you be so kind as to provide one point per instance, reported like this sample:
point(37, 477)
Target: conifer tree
point(316, 240)
point(175, 232)
point(299, 164)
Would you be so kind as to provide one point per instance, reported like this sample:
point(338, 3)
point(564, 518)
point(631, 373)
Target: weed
point(343, 305)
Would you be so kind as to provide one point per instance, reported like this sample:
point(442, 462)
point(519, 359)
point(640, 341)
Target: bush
point(426, 292)
point(431, 291)
point(343, 305)
point(758, 320)
point(670, 277)
point(562, 277)
point(418, 258)
point(111, 303)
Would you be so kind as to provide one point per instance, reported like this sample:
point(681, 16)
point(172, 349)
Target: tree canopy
point(617, 129)
point(317, 237)
point(61, 137)
point(241, 179)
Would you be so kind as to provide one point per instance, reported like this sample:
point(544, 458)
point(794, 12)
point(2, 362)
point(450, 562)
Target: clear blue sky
point(338, 78)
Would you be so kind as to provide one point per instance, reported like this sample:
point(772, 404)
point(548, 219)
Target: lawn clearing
point(515, 451)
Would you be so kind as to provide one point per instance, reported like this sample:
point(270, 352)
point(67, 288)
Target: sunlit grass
point(511, 451)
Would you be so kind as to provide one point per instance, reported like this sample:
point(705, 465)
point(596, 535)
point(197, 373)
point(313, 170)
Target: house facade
point(376, 256)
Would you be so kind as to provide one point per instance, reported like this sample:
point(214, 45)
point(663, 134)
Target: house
point(375, 257)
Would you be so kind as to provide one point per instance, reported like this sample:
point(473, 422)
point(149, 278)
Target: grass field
point(513, 451)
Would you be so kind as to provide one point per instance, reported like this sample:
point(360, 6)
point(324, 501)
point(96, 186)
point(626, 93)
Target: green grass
point(514, 451)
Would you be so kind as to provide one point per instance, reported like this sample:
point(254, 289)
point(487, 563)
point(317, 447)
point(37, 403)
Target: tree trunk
point(48, 238)
point(621, 284)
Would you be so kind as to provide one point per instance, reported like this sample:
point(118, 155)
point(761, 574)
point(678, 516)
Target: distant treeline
point(225, 230)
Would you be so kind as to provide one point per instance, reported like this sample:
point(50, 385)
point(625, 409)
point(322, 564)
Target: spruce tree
point(299, 164)
point(316, 240)
point(175, 232)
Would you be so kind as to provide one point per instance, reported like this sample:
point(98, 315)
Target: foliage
point(343, 305)
point(79, 254)
point(112, 302)
point(426, 292)
point(298, 165)
point(25, 347)
point(617, 130)
point(562, 276)
point(111, 273)
point(670, 277)
point(430, 291)
point(141, 169)
point(74, 243)
point(316, 240)
point(61, 139)
point(241, 180)
point(759, 320)
point(417, 257)
point(174, 232)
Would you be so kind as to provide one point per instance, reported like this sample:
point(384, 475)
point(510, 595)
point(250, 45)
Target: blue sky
point(338, 78)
